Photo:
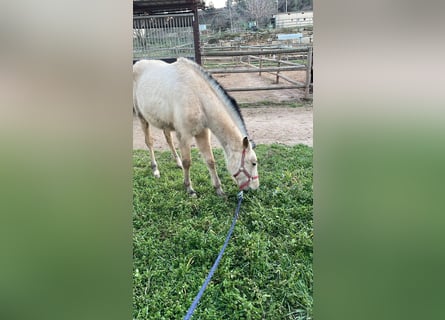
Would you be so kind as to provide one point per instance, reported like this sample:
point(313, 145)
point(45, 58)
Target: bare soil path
point(288, 126)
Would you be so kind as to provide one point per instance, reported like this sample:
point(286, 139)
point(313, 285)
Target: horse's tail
point(138, 68)
point(135, 106)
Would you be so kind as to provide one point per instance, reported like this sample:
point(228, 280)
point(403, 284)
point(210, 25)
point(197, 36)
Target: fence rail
point(253, 52)
point(283, 58)
point(255, 69)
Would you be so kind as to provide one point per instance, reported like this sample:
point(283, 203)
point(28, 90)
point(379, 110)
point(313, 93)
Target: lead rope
point(215, 264)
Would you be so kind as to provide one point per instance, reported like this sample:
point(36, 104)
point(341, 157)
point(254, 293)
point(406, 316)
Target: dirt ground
point(265, 124)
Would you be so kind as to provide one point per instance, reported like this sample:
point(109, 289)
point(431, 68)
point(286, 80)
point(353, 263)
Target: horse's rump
point(166, 95)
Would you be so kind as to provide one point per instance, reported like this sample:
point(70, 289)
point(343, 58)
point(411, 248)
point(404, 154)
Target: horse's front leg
point(186, 163)
point(205, 146)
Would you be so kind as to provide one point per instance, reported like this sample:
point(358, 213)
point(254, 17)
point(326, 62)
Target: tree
point(221, 20)
point(261, 10)
point(294, 5)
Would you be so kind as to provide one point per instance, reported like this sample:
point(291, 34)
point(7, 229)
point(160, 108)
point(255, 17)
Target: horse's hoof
point(156, 174)
point(220, 193)
point(193, 194)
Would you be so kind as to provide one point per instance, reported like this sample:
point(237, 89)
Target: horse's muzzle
point(252, 183)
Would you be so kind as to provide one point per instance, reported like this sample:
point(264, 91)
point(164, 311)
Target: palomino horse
point(182, 97)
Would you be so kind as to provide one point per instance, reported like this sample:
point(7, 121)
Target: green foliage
point(266, 271)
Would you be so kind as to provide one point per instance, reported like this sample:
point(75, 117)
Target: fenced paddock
point(252, 59)
point(163, 36)
point(166, 29)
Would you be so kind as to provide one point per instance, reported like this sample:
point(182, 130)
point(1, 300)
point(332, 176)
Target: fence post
point(308, 72)
point(195, 25)
point(279, 65)
point(261, 62)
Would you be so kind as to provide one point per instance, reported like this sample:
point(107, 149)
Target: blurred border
point(65, 165)
point(65, 170)
point(378, 160)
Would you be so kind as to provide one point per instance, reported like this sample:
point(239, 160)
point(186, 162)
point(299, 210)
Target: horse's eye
point(253, 163)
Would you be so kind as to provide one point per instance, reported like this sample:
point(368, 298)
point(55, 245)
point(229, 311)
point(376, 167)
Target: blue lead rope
point(215, 265)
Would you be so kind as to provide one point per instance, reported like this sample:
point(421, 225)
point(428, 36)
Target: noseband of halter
point(242, 169)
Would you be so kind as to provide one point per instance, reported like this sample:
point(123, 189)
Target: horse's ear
point(245, 143)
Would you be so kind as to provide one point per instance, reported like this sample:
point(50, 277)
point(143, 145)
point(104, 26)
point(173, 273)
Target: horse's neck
point(223, 127)
point(219, 121)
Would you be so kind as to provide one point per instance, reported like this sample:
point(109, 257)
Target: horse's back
point(147, 67)
point(165, 94)
point(154, 73)
point(167, 76)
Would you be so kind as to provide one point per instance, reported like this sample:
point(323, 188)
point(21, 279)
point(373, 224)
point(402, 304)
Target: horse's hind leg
point(204, 145)
point(149, 142)
point(168, 137)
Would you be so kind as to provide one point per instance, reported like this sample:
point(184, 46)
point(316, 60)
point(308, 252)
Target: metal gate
point(163, 36)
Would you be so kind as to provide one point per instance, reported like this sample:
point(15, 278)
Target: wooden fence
point(260, 60)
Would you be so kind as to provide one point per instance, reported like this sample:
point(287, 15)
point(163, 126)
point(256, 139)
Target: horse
point(184, 98)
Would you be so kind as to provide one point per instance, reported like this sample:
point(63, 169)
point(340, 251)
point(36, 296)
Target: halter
point(243, 170)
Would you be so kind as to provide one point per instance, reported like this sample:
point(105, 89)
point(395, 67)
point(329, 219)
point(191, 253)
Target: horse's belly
point(156, 108)
point(159, 122)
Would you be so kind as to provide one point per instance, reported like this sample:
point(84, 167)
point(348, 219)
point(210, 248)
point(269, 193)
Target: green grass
point(266, 271)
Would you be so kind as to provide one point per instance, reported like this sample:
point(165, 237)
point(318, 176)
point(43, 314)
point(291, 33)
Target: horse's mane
point(229, 102)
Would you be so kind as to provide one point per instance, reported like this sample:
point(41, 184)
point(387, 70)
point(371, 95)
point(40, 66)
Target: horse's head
point(244, 167)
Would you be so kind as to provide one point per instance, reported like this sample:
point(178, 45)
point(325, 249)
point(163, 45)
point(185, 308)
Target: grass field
point(266, 271)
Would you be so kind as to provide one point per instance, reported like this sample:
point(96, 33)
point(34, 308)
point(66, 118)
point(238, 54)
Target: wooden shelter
point(166, 29)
